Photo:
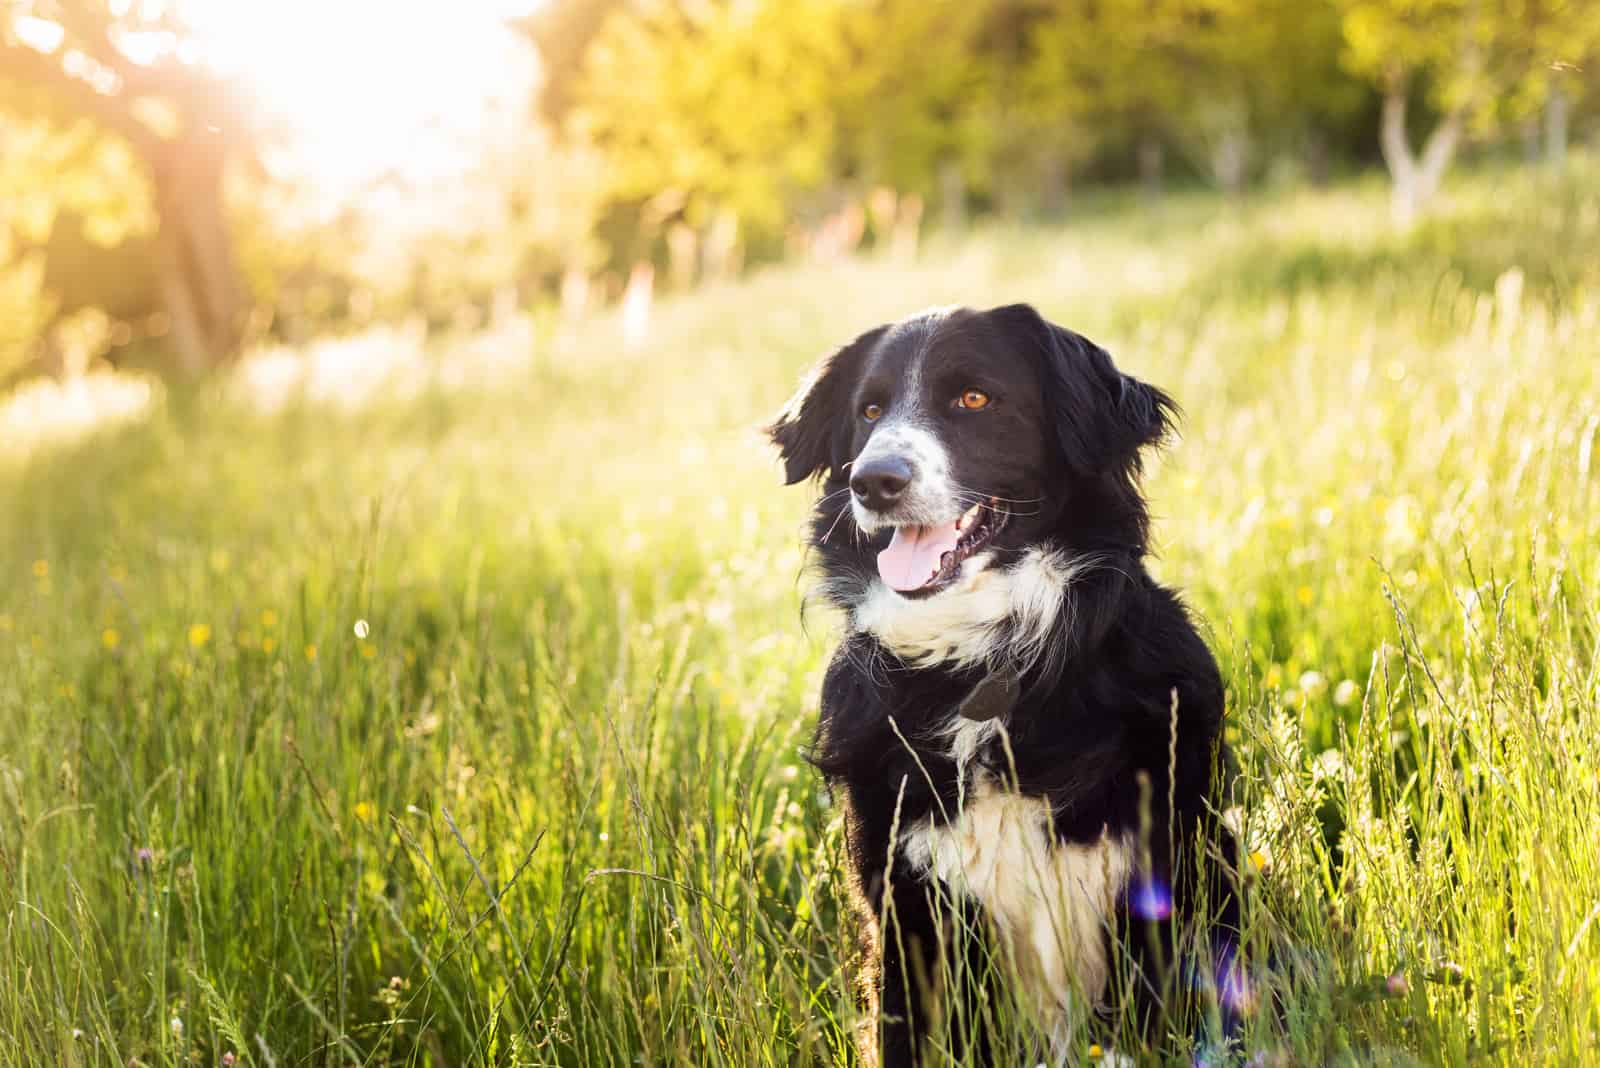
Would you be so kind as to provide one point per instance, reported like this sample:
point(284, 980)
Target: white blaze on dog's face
point(972, 463)
point(948, 447)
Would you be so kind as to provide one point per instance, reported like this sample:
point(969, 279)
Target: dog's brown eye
point(872, 413)
point(973, 399)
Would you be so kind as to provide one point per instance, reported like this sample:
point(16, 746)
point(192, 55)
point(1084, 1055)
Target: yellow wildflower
point(110, 638)
point(199, 634)
point(311, 651)
point(41, 569)
point(269, 618)
point(365, 812)
point(1304, 594)
point(268, 644)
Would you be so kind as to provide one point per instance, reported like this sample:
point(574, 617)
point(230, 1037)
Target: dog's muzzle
point(880, 484)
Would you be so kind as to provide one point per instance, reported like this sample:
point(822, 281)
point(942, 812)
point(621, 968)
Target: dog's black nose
point(878, 484)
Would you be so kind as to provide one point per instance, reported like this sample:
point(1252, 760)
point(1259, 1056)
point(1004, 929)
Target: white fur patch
point(931, 497)
point(967, 737)
point(1052, 904)
point(993, 615)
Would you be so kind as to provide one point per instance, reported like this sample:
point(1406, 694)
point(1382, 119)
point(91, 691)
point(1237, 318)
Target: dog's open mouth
point(922, 560)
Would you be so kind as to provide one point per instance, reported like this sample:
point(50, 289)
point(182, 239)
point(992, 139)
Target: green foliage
point(741, 127)
point(913, 89)
point(549, 806)
point(1554, 45)
point(1482, 58)
point(772, 110)
point(1218, 78)
point(718, 104)
point(50, 173)
point(124, 69)
point(1389, 39)
point(25, 310)
point(562, 34)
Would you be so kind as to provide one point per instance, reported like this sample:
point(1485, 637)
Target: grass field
point(551, 807)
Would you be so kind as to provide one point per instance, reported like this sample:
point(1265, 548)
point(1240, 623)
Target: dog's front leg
point(929, 989)
point(908, 950)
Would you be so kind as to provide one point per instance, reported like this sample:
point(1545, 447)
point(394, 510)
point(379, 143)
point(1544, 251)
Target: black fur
point(1091, 730)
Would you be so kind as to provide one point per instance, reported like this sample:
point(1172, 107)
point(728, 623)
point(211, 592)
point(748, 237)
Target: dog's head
point(956, 438)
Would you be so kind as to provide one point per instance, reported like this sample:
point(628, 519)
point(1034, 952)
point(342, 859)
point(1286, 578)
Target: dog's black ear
point(812, 431)
point(1103, 418)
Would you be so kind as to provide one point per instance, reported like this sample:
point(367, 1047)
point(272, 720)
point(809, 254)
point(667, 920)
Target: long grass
point(466, 727)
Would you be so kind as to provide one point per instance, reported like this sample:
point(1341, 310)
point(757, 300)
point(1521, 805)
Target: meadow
point(466, 725)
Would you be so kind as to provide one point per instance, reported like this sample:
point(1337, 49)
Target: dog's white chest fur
point(1052, 904)
point(992, 614)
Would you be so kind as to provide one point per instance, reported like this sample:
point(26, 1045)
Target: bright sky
point(369, 86)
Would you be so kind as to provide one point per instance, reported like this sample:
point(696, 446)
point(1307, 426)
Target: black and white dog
point(1023, 726)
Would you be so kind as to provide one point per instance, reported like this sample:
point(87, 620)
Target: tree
point(1551, 45)
point(702, 107)
point(1258, 74)
point(50, 172)
point(1123, 64)
point(1458, 53)
point(562, 34)
point(906, 95)
point(1021, 119)
point(126, 67)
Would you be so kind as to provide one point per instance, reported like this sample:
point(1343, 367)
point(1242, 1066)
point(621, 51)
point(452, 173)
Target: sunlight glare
point(372, 87)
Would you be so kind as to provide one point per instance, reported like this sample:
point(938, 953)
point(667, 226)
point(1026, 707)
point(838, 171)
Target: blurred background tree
point(1472, 63)
point(147, 214)
point(49, 171)
point(130, 70)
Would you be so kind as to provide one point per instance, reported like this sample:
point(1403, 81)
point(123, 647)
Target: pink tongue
point(913, 555)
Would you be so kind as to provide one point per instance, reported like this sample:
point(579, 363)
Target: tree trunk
point(636, 303)
point(1152, 166)
point(952, 197)
point(720, 251)
point(1011, 196)
point(1055, 184)
point(574, 290)
point(1318, 167)
point(1557, 116)
point(683, 255)
point(1229, 160)
point(184, 323)
point(1416, 179)
point(1438, 154)
point(907, 227)
point(1528, 133)
point(1396, 148)
point(196, 271)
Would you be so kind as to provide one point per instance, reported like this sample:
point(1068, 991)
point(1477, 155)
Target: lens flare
point(1151, 899)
